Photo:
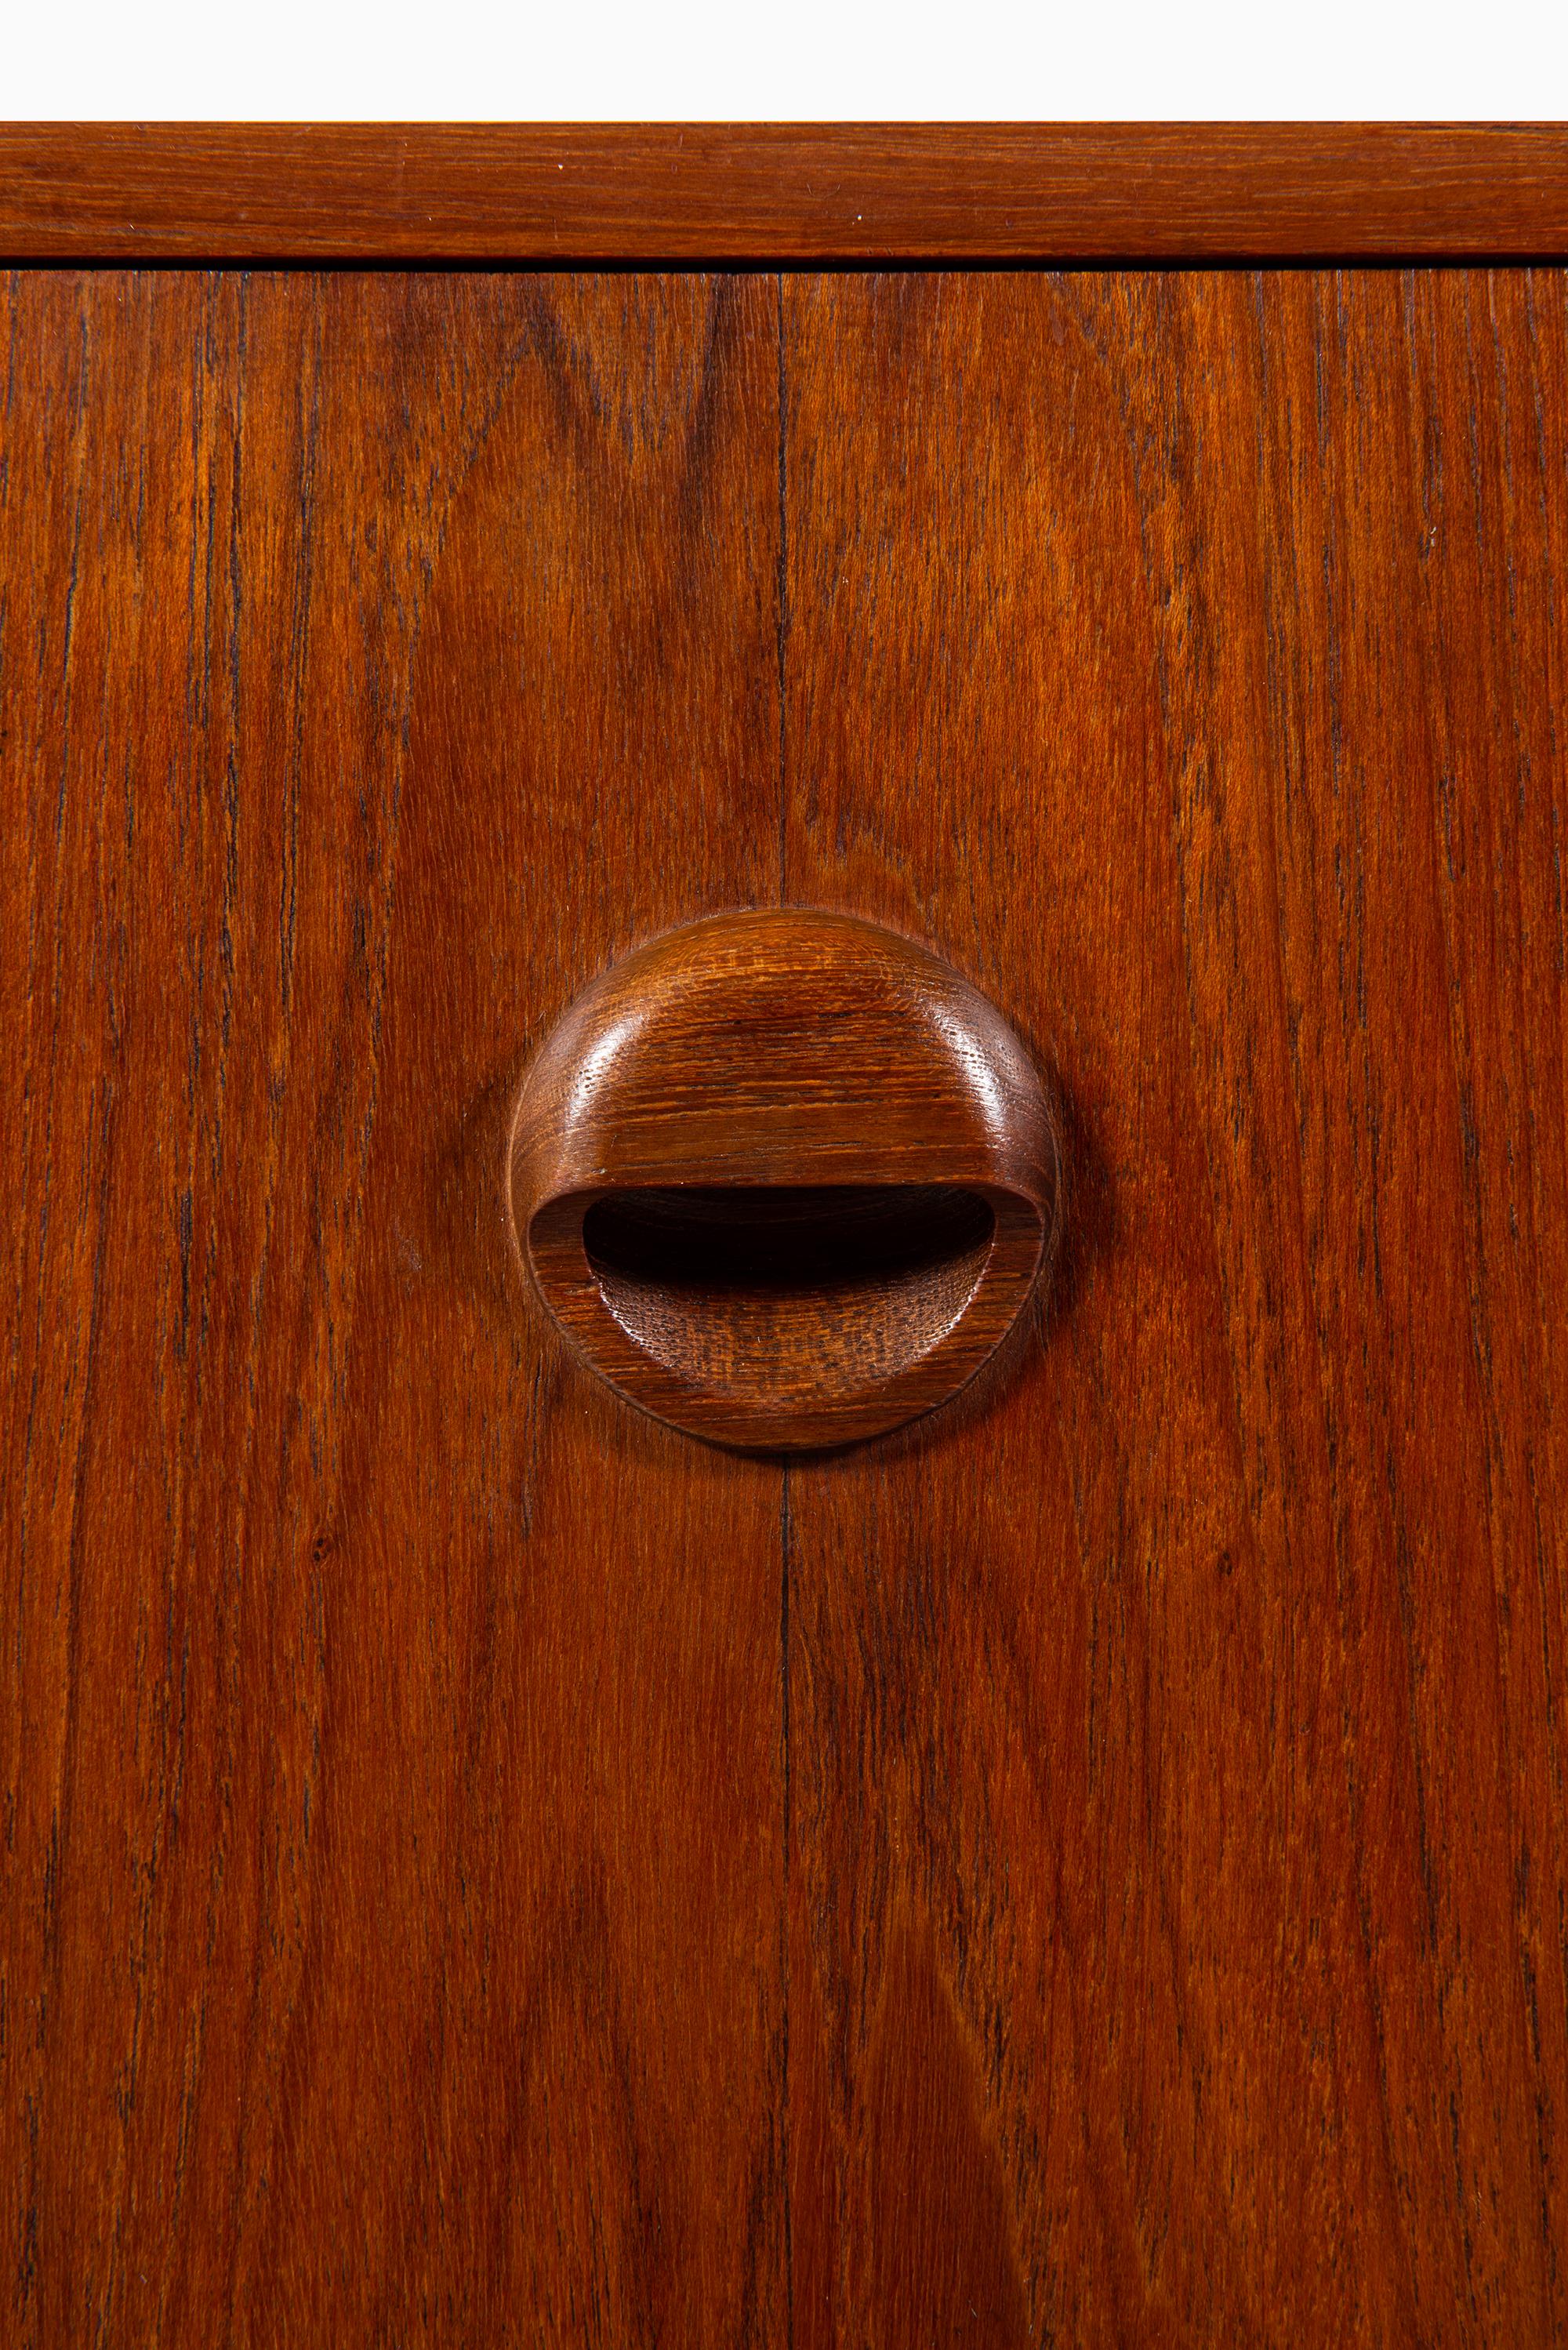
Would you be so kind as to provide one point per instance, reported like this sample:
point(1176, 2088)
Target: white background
point(795, 59)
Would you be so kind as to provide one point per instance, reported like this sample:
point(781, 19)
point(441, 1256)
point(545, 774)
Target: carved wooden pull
point(782, 1179)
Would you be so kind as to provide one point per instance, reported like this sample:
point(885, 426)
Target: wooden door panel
point(481, 1867)
point(394, 1836)
point(1176, 1853)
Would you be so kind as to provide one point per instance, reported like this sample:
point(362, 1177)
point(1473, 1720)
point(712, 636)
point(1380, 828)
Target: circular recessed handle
point(782, 1179)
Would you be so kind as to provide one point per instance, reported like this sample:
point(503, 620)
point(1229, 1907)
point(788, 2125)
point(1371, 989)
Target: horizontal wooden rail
point(370, 193)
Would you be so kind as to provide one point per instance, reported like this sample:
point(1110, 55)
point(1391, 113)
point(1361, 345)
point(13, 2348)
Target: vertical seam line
point(780, 631)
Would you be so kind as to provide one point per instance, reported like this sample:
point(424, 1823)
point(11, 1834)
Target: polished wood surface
point(1179, 1865)
point(553, 193)
point(480, 1866)
point(393, 1870)
point(783, 1179)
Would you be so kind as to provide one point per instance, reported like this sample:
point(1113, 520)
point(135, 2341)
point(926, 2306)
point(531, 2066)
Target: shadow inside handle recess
point(800, 1293)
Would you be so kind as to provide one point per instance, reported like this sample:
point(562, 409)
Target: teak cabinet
point(482, 1865)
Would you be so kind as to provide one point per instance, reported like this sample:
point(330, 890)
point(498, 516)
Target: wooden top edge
point(370, 194)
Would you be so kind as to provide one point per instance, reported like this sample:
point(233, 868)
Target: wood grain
point(392, 1834)
point(1177, 1860)
point(832, 1170)
point(480, 1867)
point(616, 192)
